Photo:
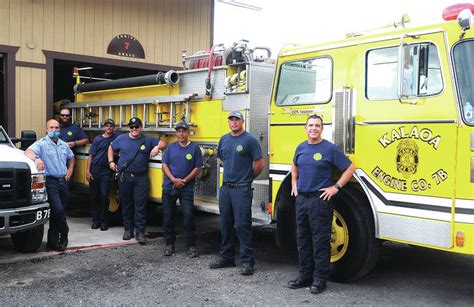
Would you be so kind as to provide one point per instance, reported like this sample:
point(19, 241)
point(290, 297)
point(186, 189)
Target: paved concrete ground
point(82, 237)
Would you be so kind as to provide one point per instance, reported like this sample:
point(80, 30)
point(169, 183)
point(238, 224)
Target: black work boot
point(127, 235)
point(192, 252)
point(299, 282)
point(318, 286)
point(221, 263)
point(169, 250)
point(141, 239)
point(246, 269)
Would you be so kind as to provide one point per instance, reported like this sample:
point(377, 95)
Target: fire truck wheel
point(28, 241)
point(354, 248)
point(285, 217)
point(115, 212)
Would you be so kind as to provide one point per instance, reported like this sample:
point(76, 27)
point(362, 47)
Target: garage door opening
point(64, 81)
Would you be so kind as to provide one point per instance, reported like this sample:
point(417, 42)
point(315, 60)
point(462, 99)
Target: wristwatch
point(337, 186)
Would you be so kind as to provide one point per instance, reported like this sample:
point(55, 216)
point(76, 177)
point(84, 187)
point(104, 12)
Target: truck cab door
point(405, 145)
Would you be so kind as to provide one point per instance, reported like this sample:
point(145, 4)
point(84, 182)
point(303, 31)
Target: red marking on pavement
point(71, 250)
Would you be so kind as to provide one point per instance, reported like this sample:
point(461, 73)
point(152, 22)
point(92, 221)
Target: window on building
point(306, 81)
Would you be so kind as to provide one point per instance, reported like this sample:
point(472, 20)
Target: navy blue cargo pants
point(99, 195)
point(313, 234)
point(235, 210)
point(186, 201)
point(133, 197)
point(58, 190)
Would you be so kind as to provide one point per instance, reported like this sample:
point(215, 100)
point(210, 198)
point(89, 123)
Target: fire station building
point(42, 41)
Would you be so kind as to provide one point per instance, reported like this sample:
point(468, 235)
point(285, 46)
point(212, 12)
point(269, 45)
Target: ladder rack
point(90, 115)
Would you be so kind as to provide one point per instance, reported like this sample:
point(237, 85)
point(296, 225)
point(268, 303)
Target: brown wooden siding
point(30, 99)
point(85, 27)
point(163, 27)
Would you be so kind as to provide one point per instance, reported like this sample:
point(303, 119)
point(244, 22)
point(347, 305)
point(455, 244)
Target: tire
point(285, 217)
point(28, 241)
point(115, 209)
point(354, 248)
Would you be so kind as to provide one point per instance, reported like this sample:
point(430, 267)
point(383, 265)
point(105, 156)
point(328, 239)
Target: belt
point(310, 194)
point(135, 174)
point(235, 185)
point(60, 179)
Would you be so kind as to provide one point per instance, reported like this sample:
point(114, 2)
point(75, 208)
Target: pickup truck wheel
point(28, 241)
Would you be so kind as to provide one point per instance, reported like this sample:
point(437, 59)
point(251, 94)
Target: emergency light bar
point(452, 12)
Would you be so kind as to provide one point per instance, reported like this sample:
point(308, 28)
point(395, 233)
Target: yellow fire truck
point(211, 85)
point(398, 101)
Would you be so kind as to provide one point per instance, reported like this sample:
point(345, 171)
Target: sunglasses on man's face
point(65, 115)
point(134, 127)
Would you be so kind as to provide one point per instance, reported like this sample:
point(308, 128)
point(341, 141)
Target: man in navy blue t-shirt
point(182, 162)
point(70, 133)
point(98, 174)
point(135, 149)
point(311, 179)
point(241, 157)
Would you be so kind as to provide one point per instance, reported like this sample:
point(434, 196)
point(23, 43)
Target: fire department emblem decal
point(407, 157)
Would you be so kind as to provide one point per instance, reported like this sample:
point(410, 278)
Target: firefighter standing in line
point(182, 162)
point(70, 133)
point(241, 157)
point(135, 150)
point(98, 174)
point(57, 159)
point(311, 179)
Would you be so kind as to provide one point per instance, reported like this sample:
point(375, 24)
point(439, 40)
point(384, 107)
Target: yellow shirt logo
point(69, 133)
point(142, 147)
point(317, 156)
point(189, 156)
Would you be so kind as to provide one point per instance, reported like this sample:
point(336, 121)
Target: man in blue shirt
point(135, 149)
point(311, 180)
point(241, 157)
point(70, 133)
point(182, 162)
point(98, 174)
point(56, 158)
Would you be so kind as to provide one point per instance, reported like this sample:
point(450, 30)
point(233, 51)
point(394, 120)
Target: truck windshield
point(307, 81)
point(3, 137)
point(464, 67)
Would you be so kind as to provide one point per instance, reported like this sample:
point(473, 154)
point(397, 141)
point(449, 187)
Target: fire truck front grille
point(15, 185)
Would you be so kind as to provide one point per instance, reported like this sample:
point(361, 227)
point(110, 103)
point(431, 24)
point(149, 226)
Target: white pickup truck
point(23, 200)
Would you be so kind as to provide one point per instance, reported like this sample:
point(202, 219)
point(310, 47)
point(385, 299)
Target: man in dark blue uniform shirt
point(135, 149)
point(70, 133)
point(241, 157)
point(182, 162)
point(311, 179)
point(98, 174)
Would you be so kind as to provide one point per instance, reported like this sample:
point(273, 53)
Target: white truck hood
point(10, 154)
